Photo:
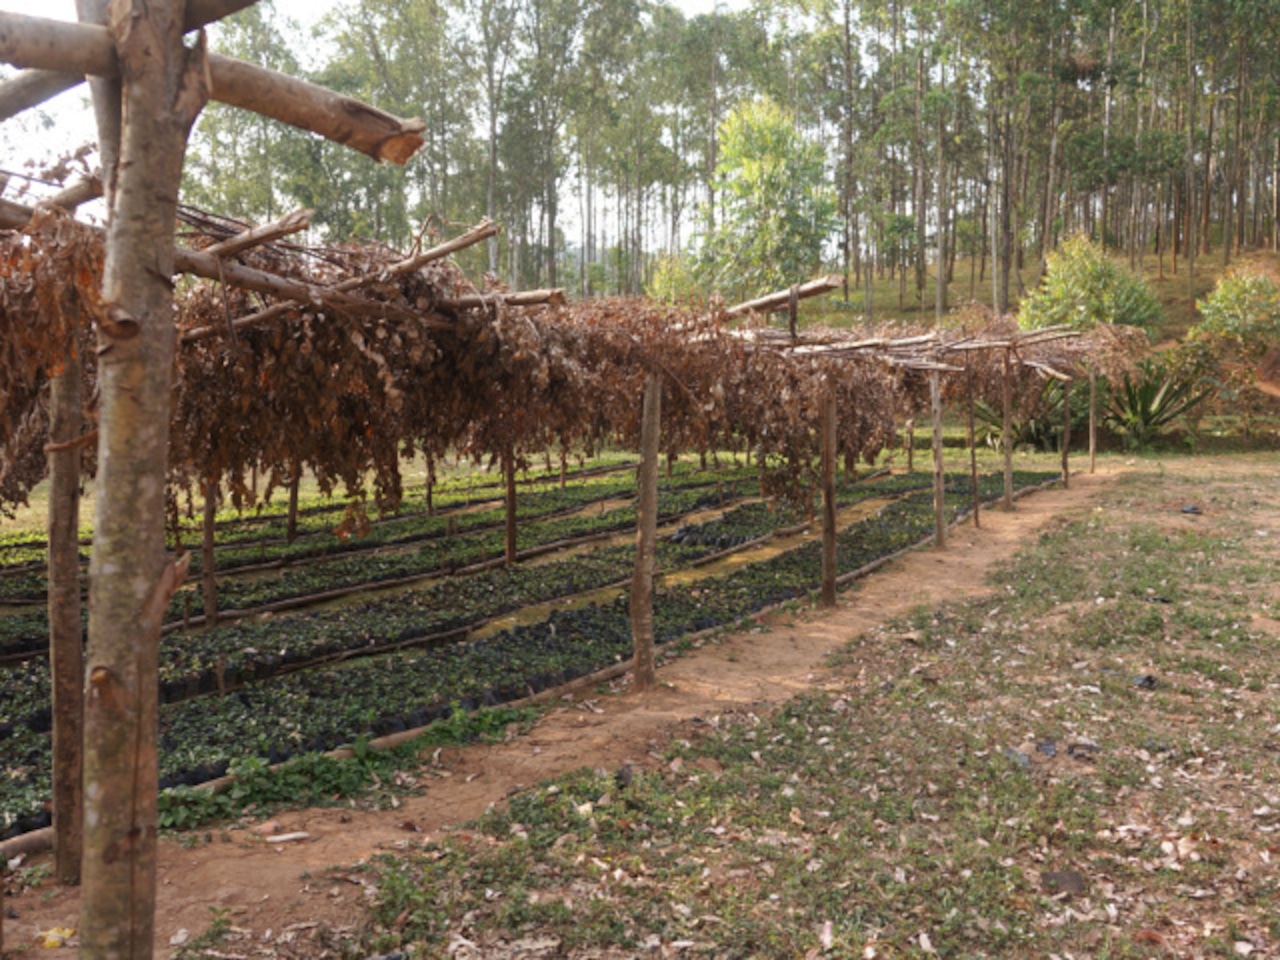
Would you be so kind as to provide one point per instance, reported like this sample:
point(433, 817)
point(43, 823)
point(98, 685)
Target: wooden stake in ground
point(66, 650)
point(509, 476)
point(973, 448)
point(1006, 431)
point(295, 481)
point(131, 578)
point(1093, 422)
point(829, 498)
point(646, 534)
point(939, 478)
point(208, 572)
point(1066, 433)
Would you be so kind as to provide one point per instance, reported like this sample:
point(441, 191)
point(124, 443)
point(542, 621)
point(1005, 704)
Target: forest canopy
point(595, 130)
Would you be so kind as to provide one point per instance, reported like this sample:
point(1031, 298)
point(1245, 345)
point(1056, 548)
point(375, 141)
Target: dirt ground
point(288, 889)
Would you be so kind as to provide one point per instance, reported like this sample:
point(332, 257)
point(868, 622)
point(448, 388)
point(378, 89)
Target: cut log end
point(399, 148)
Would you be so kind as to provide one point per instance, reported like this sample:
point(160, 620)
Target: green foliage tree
point(1084, 287)
point(777, 209)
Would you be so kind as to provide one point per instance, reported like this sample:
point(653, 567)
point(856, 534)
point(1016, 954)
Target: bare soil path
point(286, 888)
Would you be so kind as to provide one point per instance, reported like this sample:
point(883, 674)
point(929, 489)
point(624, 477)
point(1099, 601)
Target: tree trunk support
point(1006, 431)
point(131, 578)
point(646, 535)
point(66, 644)
point(973, 448)
point(509, 475)
point(1093, 422)
point(829, 497)
point(295, 481)
point(939, 484)
point(1066, 433)
point(208, 563)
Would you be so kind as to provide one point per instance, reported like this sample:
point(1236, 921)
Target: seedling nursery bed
point(278, 715)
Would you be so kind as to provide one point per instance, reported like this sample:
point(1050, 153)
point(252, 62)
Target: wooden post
point(939, 479)
point(973, 447)
point(509, 474)
point(431, 485)
point(295, 480)
point(66, 642)
point(1006, 432)
point(910, 441)
point(646, 535)
point(1093, 422)
point(131, 577)
point(829, 498)
point(1066, 433)
point(208, 564)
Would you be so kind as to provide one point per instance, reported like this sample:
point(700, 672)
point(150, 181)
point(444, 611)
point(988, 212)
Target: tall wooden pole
point(1066, 433)
point(295, 481)
point(829, 498)
point(939, 479)
point(131, 577)
point(66, 645)
point(646, 535)
point(509, 475)
point(208, 563)
point(1093, 422)
point(1006, 432)
point(973, 447)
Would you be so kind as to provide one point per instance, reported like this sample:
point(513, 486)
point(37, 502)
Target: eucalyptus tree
point(779, 208)
point(487, 45)
point(403, 56)
point(235, 156)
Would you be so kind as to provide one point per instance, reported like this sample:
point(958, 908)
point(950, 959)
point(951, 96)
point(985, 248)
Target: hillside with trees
point(608, 136)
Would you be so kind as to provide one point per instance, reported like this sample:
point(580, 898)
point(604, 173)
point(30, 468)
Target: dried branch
point(289, 224)
point(524, 298)
point(480, 232)
point(782, 299)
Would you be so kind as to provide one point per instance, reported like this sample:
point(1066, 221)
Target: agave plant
point(1150, 399)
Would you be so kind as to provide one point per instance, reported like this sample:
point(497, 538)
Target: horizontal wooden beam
point(30, 88)
point(782, 299)
point(523, 298)
point(86, 49)
point(287, 225)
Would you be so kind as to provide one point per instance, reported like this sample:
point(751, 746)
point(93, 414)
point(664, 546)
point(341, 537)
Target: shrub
point(1151, 397)
point(1084, 287)
point(1241, 322)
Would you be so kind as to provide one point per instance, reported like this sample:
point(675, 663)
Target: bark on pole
point(939, 486)
point(973, 449)
point(1066, 433)
point(66, 651)
point(295, 481)
point(1006, 431)
point(509, 475)
point(829, 498)
point(208, 564)
point(131, 577)
point(86, 49)
point(646, 535)
point(1093, 422)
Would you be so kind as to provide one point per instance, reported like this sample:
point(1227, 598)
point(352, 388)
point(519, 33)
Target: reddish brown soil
point(268, 888)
